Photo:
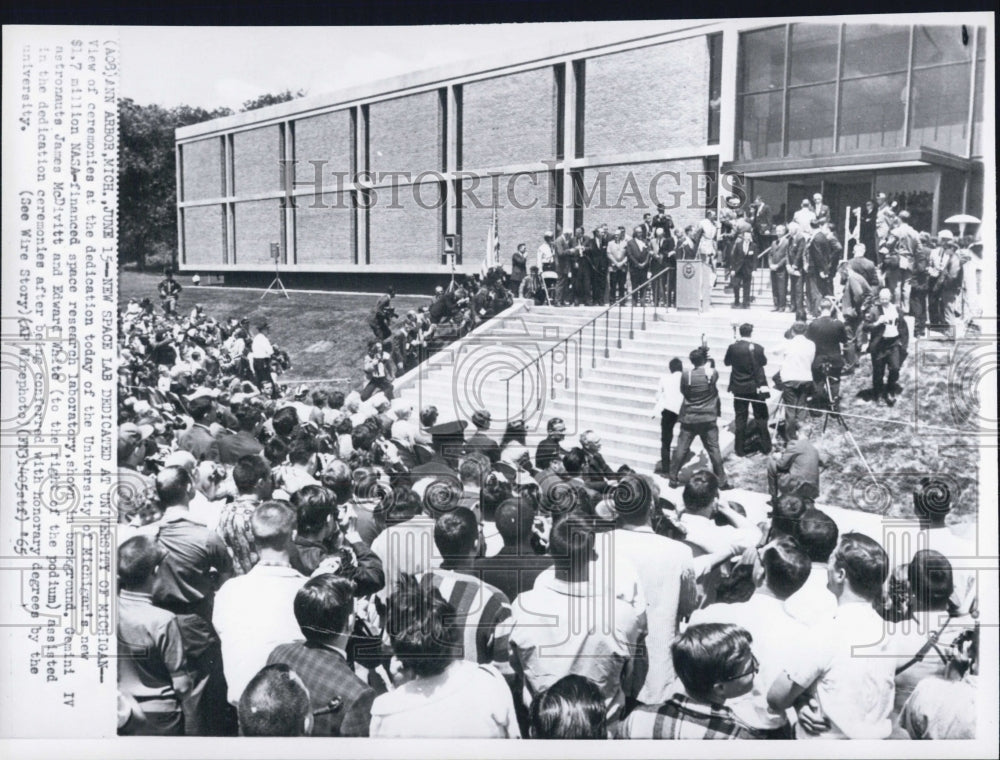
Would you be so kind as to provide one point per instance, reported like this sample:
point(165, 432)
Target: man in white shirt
point(668, 406)
point(782, 571)
point(261, 352)
point(546, 256)
point(617, 265)
point(254, 612)
point(796, 378)
point(887, 344)
point(814, 603)
point(666, 572)
point(804, 216)
point(846, 666)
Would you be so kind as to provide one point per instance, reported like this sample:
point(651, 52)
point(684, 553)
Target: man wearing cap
point(198, 439)
point(481, 442)
point(617, 266)
point(261, 352)
point(945, 284)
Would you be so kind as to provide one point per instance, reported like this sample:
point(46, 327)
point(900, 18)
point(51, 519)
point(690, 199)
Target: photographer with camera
point(748, 381)
point(382, 315)
point(379, 371)
point(699, 416)
point(830, 336)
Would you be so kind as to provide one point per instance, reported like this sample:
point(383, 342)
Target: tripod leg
point(268, 289)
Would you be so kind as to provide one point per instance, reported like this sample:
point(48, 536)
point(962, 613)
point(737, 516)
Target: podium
point(695, 280)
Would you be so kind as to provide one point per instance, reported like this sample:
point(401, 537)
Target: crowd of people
point(296, 563)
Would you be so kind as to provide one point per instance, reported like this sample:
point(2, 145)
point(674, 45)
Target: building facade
point(369, 182)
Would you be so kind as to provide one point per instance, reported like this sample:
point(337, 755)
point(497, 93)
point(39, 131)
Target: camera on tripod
point(828, 391)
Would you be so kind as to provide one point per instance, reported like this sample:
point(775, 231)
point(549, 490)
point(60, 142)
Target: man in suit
point(760, 219)
point(820, 209)
point(747, 360)
point(198, 439)
point(596, 473)
point(796, 268)
point(564, 253)
point(232, 446)
point(597, 254)
point(551, 447)
point(856, 295)
point(777, 262)
point(324, 610)
point(663, 220)
point(818, 255)
point(887, 344)
point(699, 417)
point(637, 252)
point(583, 273)
point(741, 261)
point(479, 441)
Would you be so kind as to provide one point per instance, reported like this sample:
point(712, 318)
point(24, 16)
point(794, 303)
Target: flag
point(492, 258)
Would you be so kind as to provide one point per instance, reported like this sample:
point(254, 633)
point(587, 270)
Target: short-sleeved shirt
point(849, 663)
point(680, 717)
point(150, 652)
point(941, 709)
point(814, 603)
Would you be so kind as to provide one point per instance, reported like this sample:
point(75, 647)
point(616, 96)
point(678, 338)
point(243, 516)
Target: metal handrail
point(604, 313)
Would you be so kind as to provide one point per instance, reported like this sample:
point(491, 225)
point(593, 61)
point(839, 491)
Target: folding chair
point(549, 280)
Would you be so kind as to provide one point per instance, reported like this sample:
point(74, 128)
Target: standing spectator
point(254, 485)
point(637, 252)
point(617, 266)
point(479, 607)
point(152, 670)
point(324, 610)
point(805, 216)
point(668, 403)
point(261, 352)
point(742, 260)
point(856, 295)
point(748, 360)
point(947, 283)
point(687, 249)
point(830, 336)
point(760, 218)
point(657, 263)
point(666, 572)
point(814, 603)
point(863, 266)
point(382, 315)
point(583, 273)
point(820, 209)
point(706, 239)
point(518, 268)
point(818, 257)
point(796, 378)
point(572, 708)
point(776, 635)
point(545, 640)
point(597, 253)
point(777, 262)
point(796, 266)
point(868, 230)
point(854, 694)
point(699, 417)
point(564, 254)
point(247, 636)
point(170, 291)
point(546, 254)
point(438, 694)
point(379, 371)
point(904, 242)
point(887, 344)
point(794, 471)
point(715, 663)
point(275, 703)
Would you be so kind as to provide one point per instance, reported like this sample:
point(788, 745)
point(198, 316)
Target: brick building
point(363, 185)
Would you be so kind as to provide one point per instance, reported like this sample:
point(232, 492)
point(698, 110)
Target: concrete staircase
point(592, 381)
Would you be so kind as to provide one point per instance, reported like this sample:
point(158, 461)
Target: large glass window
point(940, 108)
point(872, 111)
point(934, 45)
point(875, 49)
point(714, 87)
point(762, 60)
point(814, 53)
point(810, 119)
point(761, 126)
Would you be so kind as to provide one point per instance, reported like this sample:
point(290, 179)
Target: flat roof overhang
point(903, 158)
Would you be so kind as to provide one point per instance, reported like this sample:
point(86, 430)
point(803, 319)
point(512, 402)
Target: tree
point(270, 99)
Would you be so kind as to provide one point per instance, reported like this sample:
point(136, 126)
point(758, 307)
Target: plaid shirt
point(234, 529)
point(682, 718)
point(327, 675)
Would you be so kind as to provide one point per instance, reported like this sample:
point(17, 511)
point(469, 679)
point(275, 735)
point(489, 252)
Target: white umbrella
point(961, 220)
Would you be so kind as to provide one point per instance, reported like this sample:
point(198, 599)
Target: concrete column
point(727, 109)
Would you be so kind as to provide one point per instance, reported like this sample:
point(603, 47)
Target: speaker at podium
point(695, 280)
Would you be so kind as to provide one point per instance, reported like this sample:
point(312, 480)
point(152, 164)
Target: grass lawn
point(325, 334)
point(929, 432)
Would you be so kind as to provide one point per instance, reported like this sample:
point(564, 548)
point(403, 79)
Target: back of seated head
point(405, 504)
point(343, 425)
point(573, 461)
point(799, 327)
point(817, 535)
point(314, 506)
point(701, 491)
point(138, 559)
point(423, 628)
point(272, 524)
point(248, 417)
point(633, 499)
point(275, 703)
point(514, 520)
point(710, 653)
point(698, 357)
point(172, 486)
point(200, 407)
point(363, 437)
point(571, 540)
point(786, 567)
point(474, 469)
point(319, 398)
point(571, 708)
point(302, 450)
point(336, 400)
point(439, 494)
point(285, 421)
point(864, 562)
point(275, 451)
point(675, 365)
point(323, 607)
point(338, 478)
point(428, 416)
point(786, 515)
point(456, 533)
point(931, 580)
point(932, 500)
